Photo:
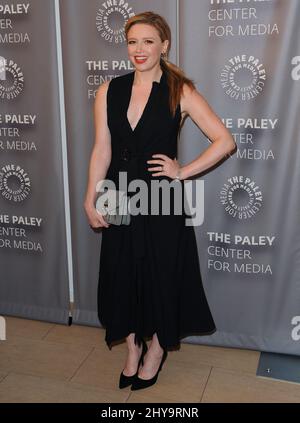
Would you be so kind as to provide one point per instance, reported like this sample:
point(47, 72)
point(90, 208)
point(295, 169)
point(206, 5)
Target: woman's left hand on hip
point(166, 166)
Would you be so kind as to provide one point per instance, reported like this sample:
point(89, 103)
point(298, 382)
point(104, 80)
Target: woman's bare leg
point(152, 359)
point(133, 355)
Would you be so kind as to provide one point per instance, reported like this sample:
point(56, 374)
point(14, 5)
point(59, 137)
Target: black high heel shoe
point(127, 380)
point(139, 383)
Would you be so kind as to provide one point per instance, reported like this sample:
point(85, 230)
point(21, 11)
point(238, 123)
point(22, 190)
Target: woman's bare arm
point(101, 153)
point(195, 105)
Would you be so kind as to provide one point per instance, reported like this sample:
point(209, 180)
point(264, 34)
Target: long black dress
point(149, 276)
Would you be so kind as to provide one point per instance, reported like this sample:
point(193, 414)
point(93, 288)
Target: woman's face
point(144, 46)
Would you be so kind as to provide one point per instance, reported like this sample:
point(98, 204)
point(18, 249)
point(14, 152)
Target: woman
point(149, 279)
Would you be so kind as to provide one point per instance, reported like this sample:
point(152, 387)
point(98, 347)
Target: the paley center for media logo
point(111, 18)
point(243, 77)
point(11, 79)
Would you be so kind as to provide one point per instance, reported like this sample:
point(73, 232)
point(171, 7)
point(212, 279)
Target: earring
point(164, 55)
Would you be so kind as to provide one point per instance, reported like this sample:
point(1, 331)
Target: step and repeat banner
point(244, 57)
point(34, 276)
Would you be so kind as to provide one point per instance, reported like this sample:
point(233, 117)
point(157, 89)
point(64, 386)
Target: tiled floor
point(44, 362)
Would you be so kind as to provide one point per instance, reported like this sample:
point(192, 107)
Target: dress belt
point(126, 154)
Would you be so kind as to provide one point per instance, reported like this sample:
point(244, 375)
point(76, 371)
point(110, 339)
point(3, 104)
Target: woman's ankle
point(132, 347)
point(155, 346)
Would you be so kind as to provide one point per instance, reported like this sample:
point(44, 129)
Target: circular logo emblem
point(243, 77)
point(11, 79)
point(14, 183)
point(111, 19)
point(241, 197)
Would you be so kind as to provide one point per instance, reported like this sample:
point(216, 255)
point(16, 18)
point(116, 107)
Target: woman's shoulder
point(121, 79)
point(188, 89)
point(187, 92)
point(116, 84)
point(116, 81)
point(124, 76)
point(102, 91)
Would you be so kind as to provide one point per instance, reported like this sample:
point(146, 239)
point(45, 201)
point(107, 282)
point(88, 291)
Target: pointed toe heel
point(124, 380)
point(145, 383)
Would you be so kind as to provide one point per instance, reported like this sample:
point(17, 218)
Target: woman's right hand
point(96, 219)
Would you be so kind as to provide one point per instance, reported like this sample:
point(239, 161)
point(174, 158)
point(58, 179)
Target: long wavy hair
point(175, 76)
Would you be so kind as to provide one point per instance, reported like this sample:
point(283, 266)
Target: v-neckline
point(133, 130)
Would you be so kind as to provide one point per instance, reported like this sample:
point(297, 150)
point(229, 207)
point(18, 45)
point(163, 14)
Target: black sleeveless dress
point(149, 276)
